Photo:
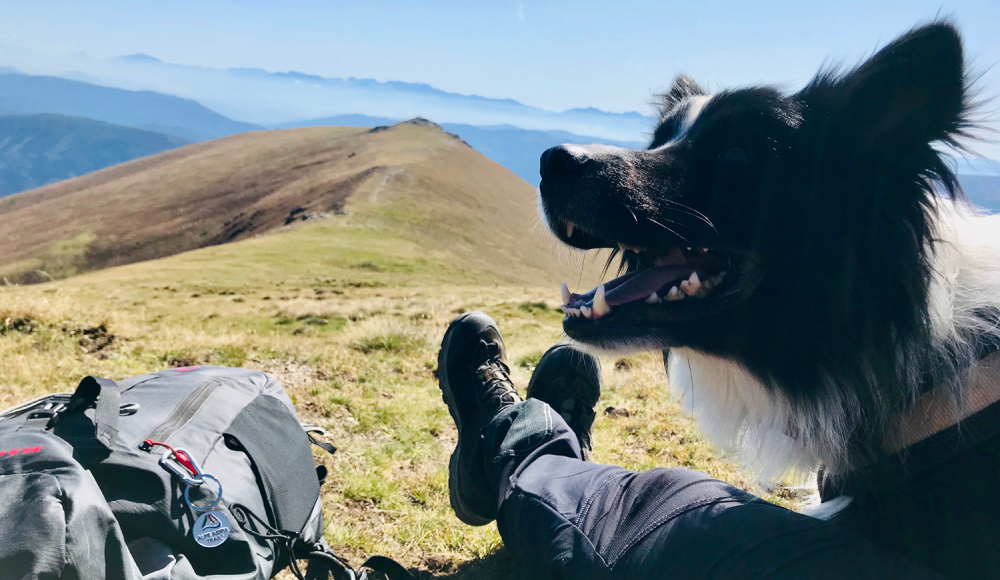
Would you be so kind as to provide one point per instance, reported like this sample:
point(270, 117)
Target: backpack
point(183, 474)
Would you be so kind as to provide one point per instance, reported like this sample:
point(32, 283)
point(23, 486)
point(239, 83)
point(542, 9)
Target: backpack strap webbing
point(269, 433)
point(324, 564)
point(103, 394)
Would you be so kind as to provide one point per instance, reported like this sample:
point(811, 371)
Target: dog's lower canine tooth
point(691, 285)
point(674, 294)
point(587, 313)
point(653, 299)
point(569, 229)
point(600, 305)
point(565, 293)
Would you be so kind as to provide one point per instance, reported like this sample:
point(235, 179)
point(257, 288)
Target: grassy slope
point(349, 317)
point(410, 181)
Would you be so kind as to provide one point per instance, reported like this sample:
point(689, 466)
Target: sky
point(551, 54)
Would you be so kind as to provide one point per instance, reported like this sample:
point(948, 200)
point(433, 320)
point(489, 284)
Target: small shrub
point(530, 360)
point(533, 307)
point(371, 487)
point(371, 266)
point(20, 324)
point(389, 336)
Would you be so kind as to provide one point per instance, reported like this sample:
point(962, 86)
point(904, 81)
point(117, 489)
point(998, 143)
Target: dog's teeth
point(704, 250)
point(564, 309)
point(565, 293)
point(600, 305)
point(569, 229)
point(691, 285)
point(587, 313)
point(653, 299)
point(674, 294)
point(574, 312)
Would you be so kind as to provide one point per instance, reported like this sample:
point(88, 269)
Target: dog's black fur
point(851, 292)
point(827, 195)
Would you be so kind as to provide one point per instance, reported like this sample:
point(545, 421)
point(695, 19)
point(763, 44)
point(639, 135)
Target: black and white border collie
point(808, 260)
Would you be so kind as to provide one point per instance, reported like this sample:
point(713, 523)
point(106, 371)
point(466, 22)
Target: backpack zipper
point(187, 409)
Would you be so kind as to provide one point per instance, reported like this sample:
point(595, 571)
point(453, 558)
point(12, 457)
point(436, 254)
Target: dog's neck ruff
point(776, 439)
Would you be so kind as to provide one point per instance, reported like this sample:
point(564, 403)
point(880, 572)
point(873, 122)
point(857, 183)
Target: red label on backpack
point(24, 450)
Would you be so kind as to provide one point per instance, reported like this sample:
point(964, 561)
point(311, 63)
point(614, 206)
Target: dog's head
point(758, 222)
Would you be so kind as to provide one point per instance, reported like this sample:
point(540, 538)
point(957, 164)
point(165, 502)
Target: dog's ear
point(683, 87)
point(911, 92)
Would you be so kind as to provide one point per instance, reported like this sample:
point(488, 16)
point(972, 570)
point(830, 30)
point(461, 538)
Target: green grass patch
point(391, 338)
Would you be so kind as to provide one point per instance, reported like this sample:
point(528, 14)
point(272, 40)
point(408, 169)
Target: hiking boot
point(475, 383)
point(569, 380)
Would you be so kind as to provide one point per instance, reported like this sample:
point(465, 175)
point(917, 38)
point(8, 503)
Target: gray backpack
point(183, 474)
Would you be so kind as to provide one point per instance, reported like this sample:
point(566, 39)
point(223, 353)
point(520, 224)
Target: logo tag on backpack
point(211, 529)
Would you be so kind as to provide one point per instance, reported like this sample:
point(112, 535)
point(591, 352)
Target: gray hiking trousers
point(562, 517)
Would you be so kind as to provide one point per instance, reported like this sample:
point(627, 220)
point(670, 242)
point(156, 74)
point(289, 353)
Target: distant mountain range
point(36, 150)
point(983, 190)
point(185, 120)
point(143, 109)
point(272, 98)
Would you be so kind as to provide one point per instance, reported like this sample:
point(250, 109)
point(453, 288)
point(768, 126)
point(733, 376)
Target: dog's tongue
point(645, 282)
point(638, 285)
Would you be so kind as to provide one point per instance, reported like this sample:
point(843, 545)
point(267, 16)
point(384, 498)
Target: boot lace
point(493, 372)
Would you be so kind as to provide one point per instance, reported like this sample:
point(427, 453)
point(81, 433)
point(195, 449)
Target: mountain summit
point(411, 182)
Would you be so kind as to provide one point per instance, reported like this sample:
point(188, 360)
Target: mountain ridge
point(143, 109)
point(411, 182)
point(39, 149)
point(270, 98)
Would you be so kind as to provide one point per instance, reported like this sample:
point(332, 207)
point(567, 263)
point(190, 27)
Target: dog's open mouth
point(661, 284)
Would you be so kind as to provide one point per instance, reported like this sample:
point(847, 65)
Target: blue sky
point(555, 55)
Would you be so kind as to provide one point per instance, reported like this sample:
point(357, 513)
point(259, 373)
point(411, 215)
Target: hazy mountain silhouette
point(37, 150)
point(271, 98)
point(143, 109)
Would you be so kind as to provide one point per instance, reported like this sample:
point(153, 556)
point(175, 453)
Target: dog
point(826, 299)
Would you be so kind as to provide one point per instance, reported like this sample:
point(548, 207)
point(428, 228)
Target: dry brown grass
point(347, 312)
point(356, 349)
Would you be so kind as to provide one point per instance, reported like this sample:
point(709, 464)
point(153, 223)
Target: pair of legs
point(522, 463)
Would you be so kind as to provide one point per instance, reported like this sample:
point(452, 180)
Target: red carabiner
point(178, 455)
point(181, 457)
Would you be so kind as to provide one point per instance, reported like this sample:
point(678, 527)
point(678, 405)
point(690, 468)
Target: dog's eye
point(733, 155)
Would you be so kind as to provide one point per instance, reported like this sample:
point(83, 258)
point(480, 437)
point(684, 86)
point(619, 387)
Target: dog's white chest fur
point(773, 438)
point(738, 414)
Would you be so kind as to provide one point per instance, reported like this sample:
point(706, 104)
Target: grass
point(353, 336)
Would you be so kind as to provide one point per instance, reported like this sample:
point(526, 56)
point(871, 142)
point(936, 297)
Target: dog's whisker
point(668, 229)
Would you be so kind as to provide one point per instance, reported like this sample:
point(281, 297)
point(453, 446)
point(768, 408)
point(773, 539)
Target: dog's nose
point(562, 161)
